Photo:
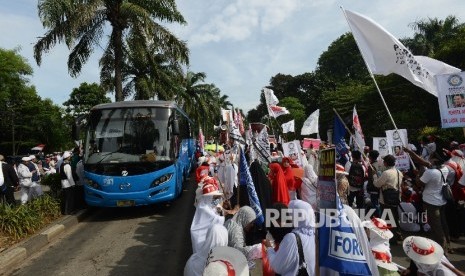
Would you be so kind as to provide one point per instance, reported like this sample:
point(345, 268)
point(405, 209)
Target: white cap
point(26, 158)
point(66, 154)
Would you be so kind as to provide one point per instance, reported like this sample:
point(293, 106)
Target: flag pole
point(376, 85)
point(353, 136)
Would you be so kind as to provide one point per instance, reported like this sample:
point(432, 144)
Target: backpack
point(356, 175)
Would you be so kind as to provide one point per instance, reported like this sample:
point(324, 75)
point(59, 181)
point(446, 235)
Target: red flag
point(359, 138)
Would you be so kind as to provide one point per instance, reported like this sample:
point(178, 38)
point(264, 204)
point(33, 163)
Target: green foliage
point(54, 182)
point(47, 207)
point(134, 27)
point(26, 119)
point(83, 98)
point(21, 221)
point(342, 61)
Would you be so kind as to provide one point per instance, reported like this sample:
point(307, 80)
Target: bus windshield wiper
point(105, 155)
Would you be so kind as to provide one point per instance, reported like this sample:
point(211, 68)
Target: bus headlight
point(162, 179)
point(93, 184)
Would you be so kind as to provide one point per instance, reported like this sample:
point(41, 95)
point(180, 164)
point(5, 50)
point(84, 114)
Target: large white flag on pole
point(311, 124)
point(384, 54)
point(288, 127)
point(359, 138)
point(271, 103)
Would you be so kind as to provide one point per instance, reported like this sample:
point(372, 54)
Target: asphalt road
point(150, 240)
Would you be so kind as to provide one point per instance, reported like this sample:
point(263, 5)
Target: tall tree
point(81, 25)
point(83, 98)
point(432, 33)
point(26, 119)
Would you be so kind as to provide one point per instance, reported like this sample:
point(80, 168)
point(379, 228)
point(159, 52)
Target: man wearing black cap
point(390, 180)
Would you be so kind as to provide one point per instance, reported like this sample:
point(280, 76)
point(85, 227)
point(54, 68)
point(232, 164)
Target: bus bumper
point(100, 198)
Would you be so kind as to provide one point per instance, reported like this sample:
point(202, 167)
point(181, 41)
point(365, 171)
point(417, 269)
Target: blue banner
point(339, 141)
point(246, 179)
point(339, 247)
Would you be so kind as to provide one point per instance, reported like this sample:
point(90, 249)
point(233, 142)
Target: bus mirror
point(175, 127)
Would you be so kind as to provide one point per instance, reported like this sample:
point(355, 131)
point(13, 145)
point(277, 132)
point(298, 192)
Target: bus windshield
point(139, 134)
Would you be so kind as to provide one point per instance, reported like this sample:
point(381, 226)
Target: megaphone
point(218, 128)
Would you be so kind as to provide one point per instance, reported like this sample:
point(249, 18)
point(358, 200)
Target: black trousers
point(9, 195)
point(67, 201)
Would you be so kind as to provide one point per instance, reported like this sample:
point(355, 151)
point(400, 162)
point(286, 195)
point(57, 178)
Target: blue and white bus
point(136, 153)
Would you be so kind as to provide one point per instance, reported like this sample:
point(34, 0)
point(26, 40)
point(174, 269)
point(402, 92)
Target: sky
point(239, 44)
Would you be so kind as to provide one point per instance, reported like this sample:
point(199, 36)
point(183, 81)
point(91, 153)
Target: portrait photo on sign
point(455, 101)
point(382, 144)
point(397, 150)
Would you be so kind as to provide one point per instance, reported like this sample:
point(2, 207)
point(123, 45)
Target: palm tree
point(431, 33)
point(81, 25)
point(148, 71)
point(201, 101)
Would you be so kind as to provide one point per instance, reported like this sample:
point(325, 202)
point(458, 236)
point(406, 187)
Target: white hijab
point(285, 261)
point(435, 269)
point(205, 216)
point(217, 235)
point(309, 186)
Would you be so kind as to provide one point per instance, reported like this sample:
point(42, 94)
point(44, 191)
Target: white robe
point(205, 216)
point(217, 235)
point(309, 186)
point(230, 179)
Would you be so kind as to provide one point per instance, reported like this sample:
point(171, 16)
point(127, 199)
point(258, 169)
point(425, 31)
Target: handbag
point(391, 195)
point(302, 265)
point(446, 190)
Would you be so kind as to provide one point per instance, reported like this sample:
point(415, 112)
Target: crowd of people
point(24, 174)
point(398, 203)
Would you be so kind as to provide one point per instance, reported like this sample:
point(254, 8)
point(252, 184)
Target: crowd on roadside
point(24, 174)
point(224, 217)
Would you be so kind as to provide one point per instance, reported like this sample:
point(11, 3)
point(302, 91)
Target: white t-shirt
point(432, 194)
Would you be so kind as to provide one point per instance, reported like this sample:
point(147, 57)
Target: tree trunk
point(118, 37)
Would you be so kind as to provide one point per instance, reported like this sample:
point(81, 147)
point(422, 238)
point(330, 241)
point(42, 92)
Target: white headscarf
point(309, 185)
point(217, 235)
point(435, 269)
point(205, 216)
point(285, 261)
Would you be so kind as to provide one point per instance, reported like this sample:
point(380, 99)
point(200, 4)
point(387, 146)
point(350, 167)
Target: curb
point(18, 253)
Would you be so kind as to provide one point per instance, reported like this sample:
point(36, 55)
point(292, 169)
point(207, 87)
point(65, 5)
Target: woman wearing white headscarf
point(216, 236)
point(237, 226)
point(285, 261)
point(205, 215)
point(309, 185)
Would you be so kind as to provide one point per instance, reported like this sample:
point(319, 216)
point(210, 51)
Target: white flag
point(311, 124)
point(288, 127)
point(359, 138)
point(270, 98)
point(271, 104)
point(384, 54)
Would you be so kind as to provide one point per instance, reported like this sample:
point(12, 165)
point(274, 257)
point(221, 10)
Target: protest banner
point(327, 179)
point(381, 145)
point(397, 139)
point(451, 98)
point(292, 150)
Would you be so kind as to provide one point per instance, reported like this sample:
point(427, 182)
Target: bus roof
point(139, 103)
